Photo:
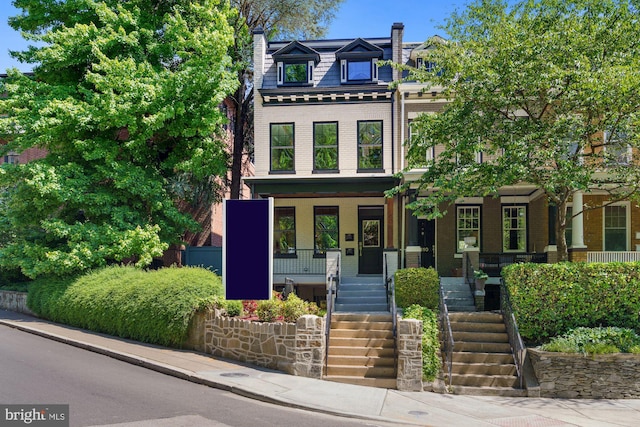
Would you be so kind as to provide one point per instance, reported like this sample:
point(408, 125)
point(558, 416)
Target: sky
point(355, 18)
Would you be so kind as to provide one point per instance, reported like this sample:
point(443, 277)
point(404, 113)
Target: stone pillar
point(409, 342)
point(478, 297)
point(413, 257)
point(577, 254)
point(391, 264)
point(310, 347)
point(470, 256)
point(552, 254)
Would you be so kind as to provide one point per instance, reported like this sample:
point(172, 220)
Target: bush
point(551, 299)
point(269, 310)
point(595, 341)
point(431, 363)
point(288, 310)
point(417, 286)
point(233, 308)
point(149, 306)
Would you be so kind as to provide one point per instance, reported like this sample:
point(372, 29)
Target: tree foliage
point(125, 99)
point(547, 90)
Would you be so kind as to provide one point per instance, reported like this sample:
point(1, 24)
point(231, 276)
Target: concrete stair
point(457, 294)
point(362, 295)
point(362, 349)
point(482, 357)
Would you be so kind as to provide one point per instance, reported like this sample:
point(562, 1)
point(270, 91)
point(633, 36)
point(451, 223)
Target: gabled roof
point(427, 45)
point(296, 51)
point(359, 49)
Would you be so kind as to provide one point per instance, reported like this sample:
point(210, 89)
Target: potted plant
point(481, 278)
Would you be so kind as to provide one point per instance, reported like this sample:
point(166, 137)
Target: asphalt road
point(103, 391)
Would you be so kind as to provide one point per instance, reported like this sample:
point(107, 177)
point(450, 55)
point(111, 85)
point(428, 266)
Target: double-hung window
point(514, 228)
point(468, 227)
point(615, 227)
point(325, 228)
point(325, 146)
point(369, 145)
point(617, 149)
point(282, 147)
point(284, 231)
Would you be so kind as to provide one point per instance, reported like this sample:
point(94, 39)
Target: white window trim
point(469, 206)
point(627, 206)
point(526, 227)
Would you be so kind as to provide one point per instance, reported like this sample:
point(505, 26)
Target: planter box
point(604, 376)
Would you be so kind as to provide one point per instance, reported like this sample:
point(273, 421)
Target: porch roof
point(322, 187)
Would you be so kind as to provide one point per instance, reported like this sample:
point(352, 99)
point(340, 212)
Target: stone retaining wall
point(295, 348)
point(604, 376)
point(14, 301)
point(409, 345)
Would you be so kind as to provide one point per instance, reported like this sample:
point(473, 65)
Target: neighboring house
point(330, 133)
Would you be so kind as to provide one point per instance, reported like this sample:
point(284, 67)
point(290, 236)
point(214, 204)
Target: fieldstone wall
point(295, 348)
point(15, 301)
point(409, 344)
point(604, 376)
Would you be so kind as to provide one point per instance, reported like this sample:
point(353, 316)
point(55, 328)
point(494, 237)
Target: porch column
point(577, 233)
point(578, 250)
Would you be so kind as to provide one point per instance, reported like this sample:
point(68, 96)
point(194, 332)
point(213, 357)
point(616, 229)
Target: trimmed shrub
point(595, 341)
point(269, 310)
point(233, 307)
point(431, 363)
point(148, 306)
point(417, 286)
point(551, 299)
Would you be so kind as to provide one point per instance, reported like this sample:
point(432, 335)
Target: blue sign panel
point(247, 249)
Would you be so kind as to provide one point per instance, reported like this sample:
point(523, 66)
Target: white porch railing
point(628, 256)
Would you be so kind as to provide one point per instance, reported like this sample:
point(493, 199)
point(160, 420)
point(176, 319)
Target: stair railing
point(447, 334)
point(519, 350)
point(332, 282)
point(390, 286)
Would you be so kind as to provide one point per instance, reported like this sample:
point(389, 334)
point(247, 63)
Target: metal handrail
point(519, 350)
point(390, 287)
point(331, 297)
point(447, 334)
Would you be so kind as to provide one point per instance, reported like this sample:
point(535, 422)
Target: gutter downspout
point(403, 215)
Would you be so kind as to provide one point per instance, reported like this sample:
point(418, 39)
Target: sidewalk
point(340, 399)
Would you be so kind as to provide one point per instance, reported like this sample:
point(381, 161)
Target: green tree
point(280, 19)
point(547, 90)
point(125, 99)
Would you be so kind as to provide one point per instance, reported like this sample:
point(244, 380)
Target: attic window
point(359, 62)
point(295, 64)
point(295, 73)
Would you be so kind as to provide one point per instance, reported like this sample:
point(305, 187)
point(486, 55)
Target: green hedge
point(551, 299)
point(417, 286)
point(431, 363)
point(148, 306)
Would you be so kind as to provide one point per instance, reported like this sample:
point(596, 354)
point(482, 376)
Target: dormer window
point(296, 63)
point(359, 62)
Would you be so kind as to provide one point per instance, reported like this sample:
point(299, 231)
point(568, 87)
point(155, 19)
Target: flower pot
point(480, 284)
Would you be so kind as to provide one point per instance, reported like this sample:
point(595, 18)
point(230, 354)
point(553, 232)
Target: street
point(103, 391)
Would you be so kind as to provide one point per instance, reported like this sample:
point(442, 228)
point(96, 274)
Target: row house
point(331, 132)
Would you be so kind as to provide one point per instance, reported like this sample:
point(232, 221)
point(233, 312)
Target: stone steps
point(483, 362)
point(362, 349)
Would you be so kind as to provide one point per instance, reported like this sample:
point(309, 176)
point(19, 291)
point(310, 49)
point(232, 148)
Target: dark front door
point(427, 240)
point(370, 239)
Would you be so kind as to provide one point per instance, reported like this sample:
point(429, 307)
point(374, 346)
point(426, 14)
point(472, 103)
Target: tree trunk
point(561, 226)
point(238, 141)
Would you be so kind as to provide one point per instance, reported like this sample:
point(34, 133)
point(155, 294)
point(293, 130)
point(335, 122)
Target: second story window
point(617, 149)
point(369, 145)
point(282, 147)
point(325, 146)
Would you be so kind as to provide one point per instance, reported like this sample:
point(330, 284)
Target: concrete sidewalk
point(340, 399)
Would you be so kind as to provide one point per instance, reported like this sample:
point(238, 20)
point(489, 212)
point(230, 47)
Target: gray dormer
point(359, 62)
point(295, 64)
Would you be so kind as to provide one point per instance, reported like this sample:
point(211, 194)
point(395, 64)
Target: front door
point(370, 239)
point(427, 239)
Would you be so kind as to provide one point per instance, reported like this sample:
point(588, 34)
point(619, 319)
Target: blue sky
point(356, 18)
